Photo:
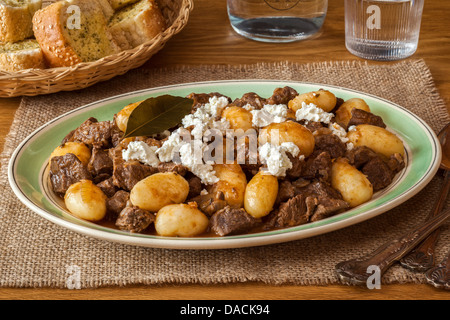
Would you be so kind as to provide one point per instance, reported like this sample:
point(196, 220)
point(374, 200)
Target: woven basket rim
point(15, 80)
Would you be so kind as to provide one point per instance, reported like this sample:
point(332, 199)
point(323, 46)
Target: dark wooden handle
point(422, 257)
point(355, 271)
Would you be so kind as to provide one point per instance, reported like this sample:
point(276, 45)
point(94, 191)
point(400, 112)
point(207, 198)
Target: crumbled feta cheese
point(191, 155)
point(142, 152)
point(248, 107)
point(166, 152)
point(189, 120)
point(204, 117)
point(276, 159)
point(290, 147)
point(270, 113)
point(222, 125)
point(342, 134)
point(351, 128)
point(350, 146)
point(216, 106)
point(338, 131)
point(310, 112)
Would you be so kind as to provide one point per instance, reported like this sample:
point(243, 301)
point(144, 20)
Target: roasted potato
point(289, 131)
point(86, 201)
point(159, 190)
point(376, 138)
point(180, 220)
point(344, 112)
point(232, 183)
point(323, 99)
point(260, 195)
point(79, 149)
point(239, 118)
point(350, 182)
point(122, 116)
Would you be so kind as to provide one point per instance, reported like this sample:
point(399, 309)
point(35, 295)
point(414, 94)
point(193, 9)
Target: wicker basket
point(37, 82)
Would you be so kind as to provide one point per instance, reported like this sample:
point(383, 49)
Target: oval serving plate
point(28, 166)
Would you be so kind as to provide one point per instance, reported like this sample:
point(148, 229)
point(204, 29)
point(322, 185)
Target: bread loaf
point(118, 4)
point(73, 31)
point(21, 55)
point(107, 9)
point(136, 24)
point(16, 19)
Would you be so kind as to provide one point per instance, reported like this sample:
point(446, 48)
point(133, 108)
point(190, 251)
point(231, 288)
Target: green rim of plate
point(27, 165)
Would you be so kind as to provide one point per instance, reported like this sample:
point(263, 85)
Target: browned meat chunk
point(94, 133)
point(116, 155)
point(363, 117)
point(134, 219)
point(317, 167)
point(379, 170)
point(232, 221)
point(378, 173)
point(195, 186)
point(100, 162)
point(330, 143)
point(359, 156)
point(107, 187)
point(68, 137)
point(100, 178)
point(396, 163)
point(301, 183)
point(323, 200)
point(282, 95)
point(286, 190)
point(247, 157)
point(327, 207)
point(202, 98)
point(297, 167)
point(172, 167)
point(117, 203)
point(127, 174)
point(210, 203)
point(320, 189)
point(66, 170)
point(153, 142)
point(339, 102)
point(311, 125)
point(116, 134)
point(252, 99)
point(294, 212)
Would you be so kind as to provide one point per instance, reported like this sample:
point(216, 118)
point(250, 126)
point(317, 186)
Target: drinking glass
point(277, 20)
point(382, 29)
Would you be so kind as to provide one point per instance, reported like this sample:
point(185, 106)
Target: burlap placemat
point(36, 253)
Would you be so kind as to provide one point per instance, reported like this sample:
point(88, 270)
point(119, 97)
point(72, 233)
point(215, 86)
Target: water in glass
point(277, 20)
point(382, 29)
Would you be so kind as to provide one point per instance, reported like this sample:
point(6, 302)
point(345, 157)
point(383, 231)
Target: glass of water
point(277, 20)
point(382, 29)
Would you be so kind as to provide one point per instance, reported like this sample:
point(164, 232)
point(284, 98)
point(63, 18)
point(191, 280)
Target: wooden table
point(209, 39)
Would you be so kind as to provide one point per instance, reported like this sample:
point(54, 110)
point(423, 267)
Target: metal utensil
point(422, 258)
point(355, 271)
point(439, 276)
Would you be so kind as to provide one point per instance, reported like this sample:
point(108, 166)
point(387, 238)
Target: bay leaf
point(155, 115)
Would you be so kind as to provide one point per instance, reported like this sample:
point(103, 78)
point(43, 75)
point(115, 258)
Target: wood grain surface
point(209, 39)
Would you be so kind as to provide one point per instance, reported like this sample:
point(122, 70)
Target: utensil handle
point(422, 258)
point(355, 271)
point(439, 276)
